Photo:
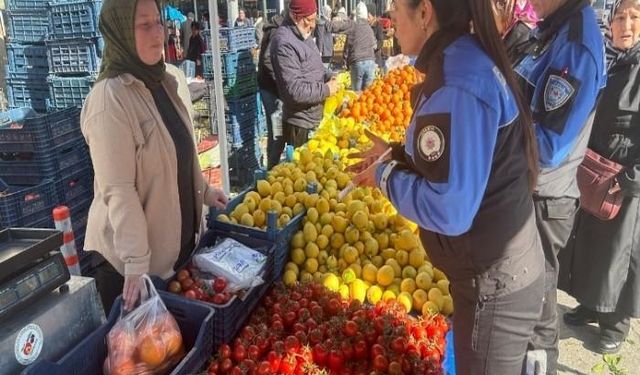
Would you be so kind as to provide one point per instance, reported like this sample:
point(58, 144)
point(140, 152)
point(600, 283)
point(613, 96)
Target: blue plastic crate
point(76, 187)
point(27, 26)
point(231, 317)
point(237, 38)
point(24, 206)
point(196, 325)
point(30, 168)
point(241, 109)
point(235, 87)
point(27, 59)
point(74, 19)
point(73, 56)
point(68, 92)
point(27, 91)
point(27, 5)
point(22, 130)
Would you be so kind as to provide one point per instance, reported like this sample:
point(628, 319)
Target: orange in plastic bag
point(146, 340)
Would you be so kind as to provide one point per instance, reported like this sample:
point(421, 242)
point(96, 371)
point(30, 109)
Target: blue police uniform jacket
point(462, 174)
point(562, 75)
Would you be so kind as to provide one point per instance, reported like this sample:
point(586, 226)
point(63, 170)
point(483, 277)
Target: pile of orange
point(385, 106)
point(154, 348)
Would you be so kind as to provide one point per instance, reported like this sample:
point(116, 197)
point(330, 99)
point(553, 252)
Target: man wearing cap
point(300, 75)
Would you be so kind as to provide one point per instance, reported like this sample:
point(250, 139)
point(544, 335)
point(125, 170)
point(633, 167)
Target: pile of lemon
point(361, 248)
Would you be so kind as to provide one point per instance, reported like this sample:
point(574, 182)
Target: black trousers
point(295, 136)
point(491, 333)
point(614, 326)
point(554, 218)
point(109, 282)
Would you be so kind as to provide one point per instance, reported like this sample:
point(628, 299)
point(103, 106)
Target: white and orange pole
point(62, 219)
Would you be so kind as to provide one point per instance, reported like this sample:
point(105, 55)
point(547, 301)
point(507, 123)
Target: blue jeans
point(362, 74)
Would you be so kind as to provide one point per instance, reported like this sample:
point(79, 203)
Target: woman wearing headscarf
point(148, 190)
point(604, 268)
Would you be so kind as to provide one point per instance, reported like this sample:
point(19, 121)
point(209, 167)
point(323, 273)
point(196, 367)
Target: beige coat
point(134, 220)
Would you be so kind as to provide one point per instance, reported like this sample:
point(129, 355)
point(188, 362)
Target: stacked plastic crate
point(74, 48)
point(27, 66)
point(44, 162)
point(244, 116)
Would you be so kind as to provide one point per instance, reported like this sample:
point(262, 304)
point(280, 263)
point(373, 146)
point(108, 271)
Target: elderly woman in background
point(604, 268)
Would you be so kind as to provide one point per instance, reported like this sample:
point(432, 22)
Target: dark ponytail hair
point(454, 18)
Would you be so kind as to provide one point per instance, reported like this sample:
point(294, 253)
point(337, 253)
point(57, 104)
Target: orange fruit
point(126, 367)
point(152, 350)
point(172, 341)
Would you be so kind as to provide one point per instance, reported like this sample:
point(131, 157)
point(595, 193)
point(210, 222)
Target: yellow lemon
point(374, 294)
point(385, 275)
point(408, 285)
point(370, 273)
point(297, 256)
point(405, 300)
point(419, 299)
point(289, 278)
point(423, 281)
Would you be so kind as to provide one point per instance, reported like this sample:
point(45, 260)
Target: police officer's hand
point(367, 177)
point(380, 146)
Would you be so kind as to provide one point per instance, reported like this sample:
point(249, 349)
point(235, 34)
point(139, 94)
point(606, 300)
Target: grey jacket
point(300, 76)
point(361, 43)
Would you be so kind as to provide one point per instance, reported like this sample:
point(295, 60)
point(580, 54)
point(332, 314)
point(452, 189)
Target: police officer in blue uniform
point(562, 73)
point(465, 175)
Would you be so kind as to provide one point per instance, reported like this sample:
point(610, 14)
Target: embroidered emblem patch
point(557, 92)
point(431, 143)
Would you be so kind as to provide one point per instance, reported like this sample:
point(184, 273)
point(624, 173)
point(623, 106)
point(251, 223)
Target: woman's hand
point(370, 156)
point(131, 291)
point(220, 200)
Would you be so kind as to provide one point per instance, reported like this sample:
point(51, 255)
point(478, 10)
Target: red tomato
point(398, 345)
point(274, 360)
point(219, 284)
point(287, 365)
point(377, 350)
point(292, 344)
point(347, 350)
point(182, 274)
point(277, 325)
point(248, 333)
point(264, 368)
point(224, 351)
point(253, 352)
point(319, 355)
point(299, 327)
point(190, 294)
point(350, 328)
point(289, 318)
point(395, 368)
point(239, 353)
point(380, 363)
point(360, 349)
point(218, 299)
point(186, 283)
point(335, 360)
point(226, 365)
point(333, 307)
point(213, 368)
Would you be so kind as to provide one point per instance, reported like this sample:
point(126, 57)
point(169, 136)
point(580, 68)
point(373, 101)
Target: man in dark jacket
point(299, 72)
point(269, 90)
point(360, 50)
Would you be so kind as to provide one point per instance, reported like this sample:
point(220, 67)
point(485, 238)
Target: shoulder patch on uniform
point(557, 92)
point(432, 146)
point(431, 143)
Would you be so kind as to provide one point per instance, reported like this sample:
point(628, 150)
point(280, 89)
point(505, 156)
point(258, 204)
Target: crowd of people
point(493, 169)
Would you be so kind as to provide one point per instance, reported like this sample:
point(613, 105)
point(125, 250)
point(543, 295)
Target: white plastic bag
point(146, 340)
point(240, 265)
point(276, 121)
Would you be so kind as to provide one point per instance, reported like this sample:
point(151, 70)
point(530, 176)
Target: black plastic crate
point(74, 19)
point(27, 59)
point(76, 187)
point(27, 26)
point(24, 206)
point(231, 317)
point(74, 56)
point(28, 91)
point(28, 168)
point(68, 92)
point(22, 130)
point(194, 319)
